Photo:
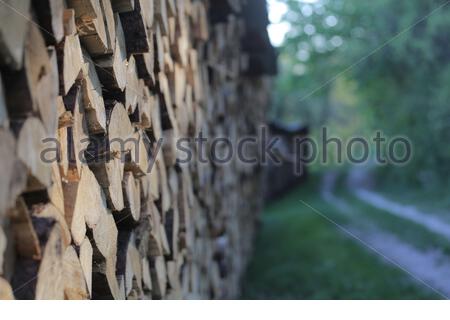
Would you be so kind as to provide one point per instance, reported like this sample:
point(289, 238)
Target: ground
point(311, 248)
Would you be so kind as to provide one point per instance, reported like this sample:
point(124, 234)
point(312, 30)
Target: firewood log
point(95, 200)
point(112, 69)
point(70, 62)
point(74, 282)
point(13, 31)
point(50, 278)
point(122, 5)
point(30, 147)
point(50, 17)
point(6, 292)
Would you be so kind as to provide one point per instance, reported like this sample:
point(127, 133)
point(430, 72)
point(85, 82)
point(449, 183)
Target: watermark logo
point(262, 149)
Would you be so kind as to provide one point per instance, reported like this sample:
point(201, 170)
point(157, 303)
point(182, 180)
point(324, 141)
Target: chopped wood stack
point(92, 206)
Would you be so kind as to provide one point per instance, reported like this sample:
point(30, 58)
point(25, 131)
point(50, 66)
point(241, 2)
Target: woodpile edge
point(85, 217)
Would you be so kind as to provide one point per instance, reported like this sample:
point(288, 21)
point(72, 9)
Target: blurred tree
point(359, 65)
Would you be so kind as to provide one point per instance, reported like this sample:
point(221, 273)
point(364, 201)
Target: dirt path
point(430, 268)
point(428, 220)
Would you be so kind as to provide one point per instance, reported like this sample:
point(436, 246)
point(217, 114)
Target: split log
point(122, 5)
point(134, 26)
point(25, 237)
point(132, 197)
point(93, 99)
point(70, 27)
point(111, 212)
point(89, 204)
point(70, 62)
point(50, 17)
point(109, 175)
point(30, 147)
point(78, 135)
point(112, 69)
point(74, 282)
point(13, 31)
point(120, 132)
point(11, 179)
point(159, 277)
point(86, 253)
point(51, 278)
point(6, 292)
point(132, 88)
point(91, 25)
point(104, 242)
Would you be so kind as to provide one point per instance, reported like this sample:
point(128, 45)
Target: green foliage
point(300, 255)
point(385, 63)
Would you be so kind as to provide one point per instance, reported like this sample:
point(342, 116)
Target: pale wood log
point(146, 276)
point(122, 5)
point(75, 219)
point(50, 278)
point(48, 99)
point(155, 245)
point(3, 244)
point(91, 25)
point(50, 16)
point(168, 61)
point(64, 150)
point(109, 174)
point(147, 12)
point(78, 135)
point(86, 253)
point(112, 69)
point(84, 8)
point(159, 53)
point(70, 27)
point(168, 104)
point(161, 16)
point(8, 162)
point(74, 282)
point(13, 31)
point(89, 204)
point(152, 183)
point(137, 159)
point(145, 104)
point(30, 146)
point(132, 87)
point(104, 237)
point(120, 132)
point(110, 24)
point(159, 219)
point(172, 218)
point(156, 119)
point(145, 63)
point(49, 212)
point(93, 99)
point(159, 277)
point(6, 292)
point(165, 193)
point(132, 196)
point(134, 26)
point(169, 148)
point(55, 192)
point(25, 237)
point(133, 271)
point(21, 87)
point(4, 120)
point(70, 62)
point(173, 277)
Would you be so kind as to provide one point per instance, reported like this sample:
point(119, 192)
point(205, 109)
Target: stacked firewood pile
point(95, 97)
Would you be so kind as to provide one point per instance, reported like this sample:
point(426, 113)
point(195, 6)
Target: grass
point(434, 200)
point(300, 255)
point(408, 231)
